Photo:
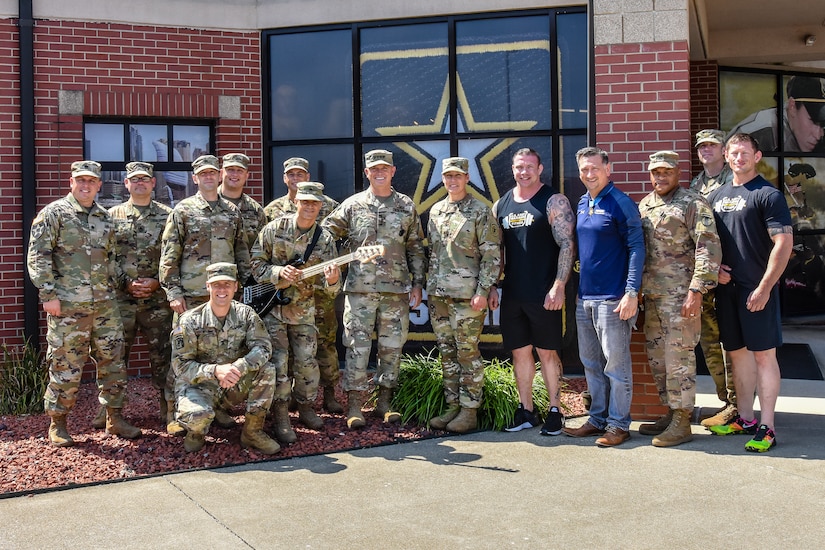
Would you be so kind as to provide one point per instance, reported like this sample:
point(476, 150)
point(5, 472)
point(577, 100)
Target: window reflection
point(571, 35)
point(331, 165)
point(104, 142)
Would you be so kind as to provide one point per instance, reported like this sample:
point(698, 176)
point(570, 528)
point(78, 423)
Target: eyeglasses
point(140, 179)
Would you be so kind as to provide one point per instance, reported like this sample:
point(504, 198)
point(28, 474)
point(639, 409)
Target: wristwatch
point(696, 290)
point(632, 293)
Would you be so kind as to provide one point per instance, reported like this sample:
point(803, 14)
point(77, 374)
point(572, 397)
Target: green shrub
point(22, 380)
point(420, 393)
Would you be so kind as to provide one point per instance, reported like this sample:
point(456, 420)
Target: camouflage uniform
point(198, 234)
point(200, 343)
point(465, 258)
point(378, 290)
point(326, 321)
point(71, 258)
point(682, 252)
point(715, 357)
point(252, 216)
point(138, 232)
point(291, 326)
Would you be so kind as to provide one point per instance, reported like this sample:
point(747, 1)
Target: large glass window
point(169, 146)
point(786, 114)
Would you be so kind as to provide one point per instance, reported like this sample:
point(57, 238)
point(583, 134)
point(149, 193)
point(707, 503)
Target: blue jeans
point(604, 349)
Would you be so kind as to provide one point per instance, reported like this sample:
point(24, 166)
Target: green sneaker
point(734, 427)
point(762, 441)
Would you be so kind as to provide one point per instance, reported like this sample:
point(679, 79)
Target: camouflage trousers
point(84, 330)
point(196, 403)
point(389, 315)
point(716, 358)
point(671, 340)
point(295, 344)
point(457, 327)
point(327, 324)
point(154, 319)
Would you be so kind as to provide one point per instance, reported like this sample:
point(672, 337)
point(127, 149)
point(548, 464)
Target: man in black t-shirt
point(537, 227)
point(754, 226)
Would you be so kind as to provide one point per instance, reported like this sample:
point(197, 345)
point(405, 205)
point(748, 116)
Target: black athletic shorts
point(526, 323)
point(740, 328)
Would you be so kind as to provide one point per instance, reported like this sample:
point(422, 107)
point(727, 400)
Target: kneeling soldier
point(221, 353)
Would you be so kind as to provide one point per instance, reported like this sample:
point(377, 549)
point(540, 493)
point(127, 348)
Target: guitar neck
point(317, 269)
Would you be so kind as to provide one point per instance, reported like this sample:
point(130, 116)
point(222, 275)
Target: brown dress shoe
point(585, 430)
point(612, 437)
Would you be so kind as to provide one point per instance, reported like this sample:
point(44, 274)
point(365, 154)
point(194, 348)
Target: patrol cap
point(296, 162)
point(236, 159)
point(663, 159)
point(376, 157)
point(310, 191)
point(710, 136)
point(205, 162)
point(455, 164)
point(139, 169)
point(221, 271)
point(810, 91)
point(86, 168)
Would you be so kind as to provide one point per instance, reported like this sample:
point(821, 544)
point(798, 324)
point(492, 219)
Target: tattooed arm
point(782, 238)
point(562, 222)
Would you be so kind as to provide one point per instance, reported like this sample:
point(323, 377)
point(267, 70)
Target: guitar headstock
point(365, 254)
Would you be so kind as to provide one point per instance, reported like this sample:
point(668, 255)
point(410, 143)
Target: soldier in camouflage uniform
point(201, 230)
point(291, 326)
point(465, 259)
point(296, 170)
point(221, 354)
point(71, 260)
point(139, 224)
point(682, 258)
point(716, 172)
point(378, 295)
point(234, 175)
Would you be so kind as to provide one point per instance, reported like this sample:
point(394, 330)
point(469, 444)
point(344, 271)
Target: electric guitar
point(263, 297)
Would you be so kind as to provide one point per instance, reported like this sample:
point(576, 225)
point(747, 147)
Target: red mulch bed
point(28, 463)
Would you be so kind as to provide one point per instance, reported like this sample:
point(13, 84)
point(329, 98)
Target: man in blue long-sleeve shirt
point(611, 256)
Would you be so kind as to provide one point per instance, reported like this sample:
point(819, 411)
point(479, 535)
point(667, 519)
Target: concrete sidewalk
point(484, 490)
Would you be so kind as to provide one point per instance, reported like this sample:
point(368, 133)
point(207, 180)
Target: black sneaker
point(523, 420)
point(554, 423)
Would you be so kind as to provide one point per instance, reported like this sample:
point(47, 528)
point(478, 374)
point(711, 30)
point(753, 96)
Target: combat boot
point(194, 441)
point(58, 433)
point(283, 430)
point(466, 420)
point(440, 422)
point(307, 417)
point(382, 408)
point(657, 427)
point(253, 434)
point(677, 432)
point(99, 421)
point(117, 425)
point(223, 419)
point(331, 404)
point(355, 418)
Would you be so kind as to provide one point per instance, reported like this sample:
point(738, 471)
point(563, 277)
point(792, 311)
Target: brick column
point(642, 82)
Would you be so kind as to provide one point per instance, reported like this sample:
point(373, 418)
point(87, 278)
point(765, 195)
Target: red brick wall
point(11, 210)
point(704, 101)
point(123, 71)
point(637, 115)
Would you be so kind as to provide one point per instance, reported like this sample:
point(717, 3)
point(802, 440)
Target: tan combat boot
point(331, 404)
point(440, 422)
point(307, 417)
point(58, 433)
point(677, 432)
point(253, 434)
point(466, 420)
point(721, 417)
point(657, 427)
point(355, 418)
point(194, 441)
point(99, 421)
point(382, 408)
point(283, 430)
point(117, 425)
